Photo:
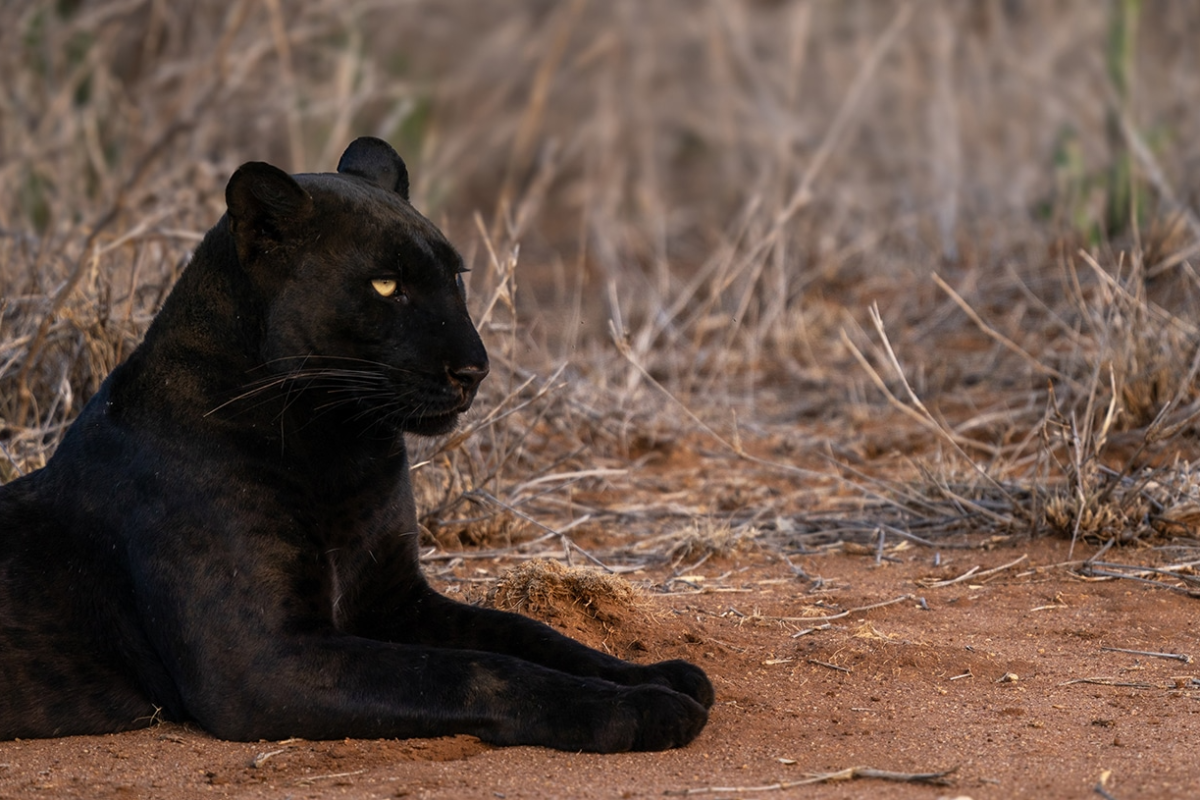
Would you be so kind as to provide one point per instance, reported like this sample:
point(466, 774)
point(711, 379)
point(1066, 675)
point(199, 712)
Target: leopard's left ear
point(266, 207)
point(375, 160)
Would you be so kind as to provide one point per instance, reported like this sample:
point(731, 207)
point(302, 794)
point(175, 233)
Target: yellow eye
point(385, 287)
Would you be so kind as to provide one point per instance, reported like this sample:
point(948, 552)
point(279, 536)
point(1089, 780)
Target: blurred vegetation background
point(680, 215)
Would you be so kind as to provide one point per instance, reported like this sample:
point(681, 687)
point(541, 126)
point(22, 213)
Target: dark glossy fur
point(227, 533)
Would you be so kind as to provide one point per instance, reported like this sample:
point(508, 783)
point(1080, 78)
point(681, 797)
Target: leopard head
point(365, 310)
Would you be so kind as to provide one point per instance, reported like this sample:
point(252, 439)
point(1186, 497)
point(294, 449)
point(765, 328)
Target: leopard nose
point(469, 376)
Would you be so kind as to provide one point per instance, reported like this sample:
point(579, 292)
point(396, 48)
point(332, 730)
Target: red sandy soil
point(908, 688)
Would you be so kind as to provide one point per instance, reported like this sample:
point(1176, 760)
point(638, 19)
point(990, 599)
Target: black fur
point(227, 532)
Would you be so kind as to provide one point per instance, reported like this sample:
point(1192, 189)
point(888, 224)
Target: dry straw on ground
point(548, 587)
point(860, 259)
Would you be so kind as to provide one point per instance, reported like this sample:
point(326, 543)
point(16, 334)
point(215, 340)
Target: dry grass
point(548, 587)
point(819, 272)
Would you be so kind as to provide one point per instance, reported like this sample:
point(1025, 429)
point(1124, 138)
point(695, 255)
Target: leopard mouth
point(439, 419)
point(432, 407)
point(432, 424)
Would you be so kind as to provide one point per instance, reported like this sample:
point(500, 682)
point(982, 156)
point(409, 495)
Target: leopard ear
point(265, 203)
point(376, 161)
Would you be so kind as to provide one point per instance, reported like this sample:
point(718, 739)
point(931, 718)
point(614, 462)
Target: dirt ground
point(1005, 679)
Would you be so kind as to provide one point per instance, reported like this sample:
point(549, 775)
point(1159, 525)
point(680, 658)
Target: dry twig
point(848, 612)
point(973, 572)
point(1185, 659)
point(851, 773)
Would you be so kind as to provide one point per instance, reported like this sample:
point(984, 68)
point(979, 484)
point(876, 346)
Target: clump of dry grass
point(707, 538)
point(548, 588)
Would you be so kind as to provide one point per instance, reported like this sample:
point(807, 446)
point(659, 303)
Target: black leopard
point(227, 533)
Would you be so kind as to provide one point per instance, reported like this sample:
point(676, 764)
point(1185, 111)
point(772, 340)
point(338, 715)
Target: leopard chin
point(433, 425)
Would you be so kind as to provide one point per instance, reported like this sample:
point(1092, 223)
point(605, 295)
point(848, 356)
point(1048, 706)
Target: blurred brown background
point(725, 187)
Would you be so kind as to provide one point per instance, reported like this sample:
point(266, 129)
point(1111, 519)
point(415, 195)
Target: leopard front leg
point(433, 619)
